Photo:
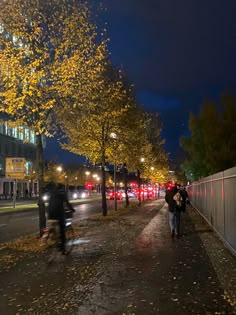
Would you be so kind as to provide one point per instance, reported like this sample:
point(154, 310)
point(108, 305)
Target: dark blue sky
point(177, 53)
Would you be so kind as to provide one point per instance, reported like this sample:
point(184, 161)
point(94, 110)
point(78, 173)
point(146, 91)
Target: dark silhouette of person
point(58, 204)
point(174, 211)
point(184, 194)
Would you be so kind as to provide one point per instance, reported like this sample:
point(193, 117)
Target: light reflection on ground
point(80, 241)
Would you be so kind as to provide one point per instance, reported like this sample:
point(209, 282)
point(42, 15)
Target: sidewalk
point(130, 266)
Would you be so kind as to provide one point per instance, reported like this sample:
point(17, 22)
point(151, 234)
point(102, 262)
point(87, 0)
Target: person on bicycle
point(57, 206)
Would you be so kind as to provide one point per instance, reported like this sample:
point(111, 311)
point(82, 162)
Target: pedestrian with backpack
point(174, 200)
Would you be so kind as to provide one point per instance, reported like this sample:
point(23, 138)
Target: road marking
point(34, 218)
point(2, 225)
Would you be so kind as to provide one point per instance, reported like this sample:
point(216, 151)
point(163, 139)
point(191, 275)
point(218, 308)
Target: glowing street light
point(67, 183)
point(142, 159)
point(98, 186)
point(114, 136)
point(59, 168)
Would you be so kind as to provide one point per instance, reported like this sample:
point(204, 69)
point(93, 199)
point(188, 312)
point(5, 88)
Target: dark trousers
point(177, 221)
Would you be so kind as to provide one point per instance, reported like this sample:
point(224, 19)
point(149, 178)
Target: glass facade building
point(16, 142)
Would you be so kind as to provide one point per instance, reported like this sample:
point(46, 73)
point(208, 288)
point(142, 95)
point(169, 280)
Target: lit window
point(32, 137)
point(21, 133)
point(1, 28)
point(27, 132)
point(14, 39)
point(9, 132)
point(15, 132)
point(1, 128)
point(6, 127)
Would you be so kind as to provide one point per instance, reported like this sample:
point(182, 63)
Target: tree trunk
point(104, 200)
point(126, 187)
point(139, 188)
point(115, 199)
point(40, 172)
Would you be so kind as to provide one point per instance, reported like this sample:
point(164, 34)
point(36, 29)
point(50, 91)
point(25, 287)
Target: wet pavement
point(130, 265)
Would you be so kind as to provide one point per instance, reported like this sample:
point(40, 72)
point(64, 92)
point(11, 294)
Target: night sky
point(176, 53)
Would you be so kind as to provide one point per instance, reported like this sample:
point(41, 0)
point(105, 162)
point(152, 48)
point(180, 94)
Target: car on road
point(46, 196)
point(162, 193)
point(80, 194)
point(131, 194)
point(110, 195)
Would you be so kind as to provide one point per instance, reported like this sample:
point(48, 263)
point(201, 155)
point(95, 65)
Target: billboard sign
point(15, 168)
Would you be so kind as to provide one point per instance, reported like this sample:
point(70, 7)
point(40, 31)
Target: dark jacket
point(169, 199)
point(58, 203)
point(184, 195)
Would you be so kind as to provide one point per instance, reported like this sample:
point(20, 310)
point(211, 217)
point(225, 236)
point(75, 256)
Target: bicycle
point(52, 236)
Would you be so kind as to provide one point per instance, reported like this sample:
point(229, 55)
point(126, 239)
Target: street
point(14, 225)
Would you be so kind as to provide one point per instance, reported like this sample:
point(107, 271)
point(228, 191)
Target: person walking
point(57, 206)
point(174, 199)
point(184, 194)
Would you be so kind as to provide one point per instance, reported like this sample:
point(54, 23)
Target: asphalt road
point(15, 225)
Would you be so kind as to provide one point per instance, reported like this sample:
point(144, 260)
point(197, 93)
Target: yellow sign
point(15, 168)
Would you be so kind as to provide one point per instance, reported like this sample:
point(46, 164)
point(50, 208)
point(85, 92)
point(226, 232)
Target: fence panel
point(218, 197)
point(230, 206)
point(215, 198)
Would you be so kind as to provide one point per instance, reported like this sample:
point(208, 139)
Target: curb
point(2, 213)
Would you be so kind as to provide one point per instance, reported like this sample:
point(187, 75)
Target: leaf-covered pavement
point(130, 266)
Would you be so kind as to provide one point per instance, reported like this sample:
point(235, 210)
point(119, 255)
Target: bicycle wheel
point(70, 237)
point(52, 244)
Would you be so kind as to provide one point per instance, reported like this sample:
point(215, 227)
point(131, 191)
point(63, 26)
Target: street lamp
point(114, 136)
point(67, 185)
point(142, 159)
point(76, 182)
point(59, 168)
point(98, 185)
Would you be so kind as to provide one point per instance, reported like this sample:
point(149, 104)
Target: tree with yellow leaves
point(38, 40)
point(88, 129)
point(141, 145)
point(111, 128)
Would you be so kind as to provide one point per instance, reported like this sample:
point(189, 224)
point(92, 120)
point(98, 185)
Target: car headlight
point(75, 195)
point(45, 197)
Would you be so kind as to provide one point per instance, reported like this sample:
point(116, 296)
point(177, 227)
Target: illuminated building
point(17, 142)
